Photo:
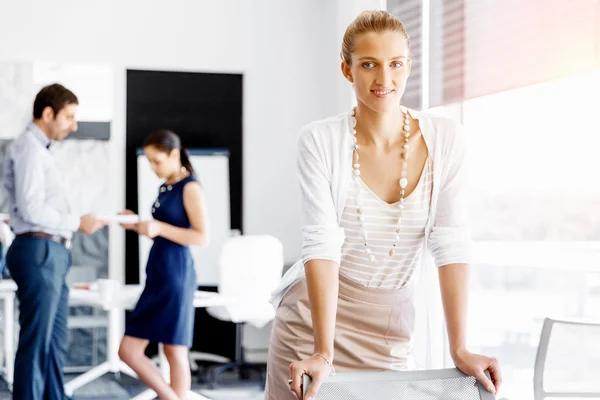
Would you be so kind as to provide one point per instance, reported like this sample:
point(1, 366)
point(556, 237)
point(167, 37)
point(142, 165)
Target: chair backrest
point(440, 384)
point(250, 266)
point(6, 235)
point(567, 364)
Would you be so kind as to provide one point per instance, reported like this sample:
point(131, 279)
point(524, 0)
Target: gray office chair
point(440, 384)
point(567, 364)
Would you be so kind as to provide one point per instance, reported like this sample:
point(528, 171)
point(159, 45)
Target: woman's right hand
point(316, 368)
point(130, 227)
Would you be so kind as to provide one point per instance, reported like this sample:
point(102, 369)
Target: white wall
point(289, 84)
point(296, 75)
point(287, 50)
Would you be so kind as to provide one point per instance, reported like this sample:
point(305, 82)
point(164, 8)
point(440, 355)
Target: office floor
point(110, 387)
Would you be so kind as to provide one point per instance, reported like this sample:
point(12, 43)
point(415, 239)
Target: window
point(536, 220)
point(524, 79)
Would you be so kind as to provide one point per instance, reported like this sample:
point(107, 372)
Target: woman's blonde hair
point(370, 21)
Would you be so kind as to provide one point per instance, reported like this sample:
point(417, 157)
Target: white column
point(425, 54)
point(116, 234)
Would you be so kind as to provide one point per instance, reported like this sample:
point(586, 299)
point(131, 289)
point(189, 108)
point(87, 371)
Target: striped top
point(380, 219)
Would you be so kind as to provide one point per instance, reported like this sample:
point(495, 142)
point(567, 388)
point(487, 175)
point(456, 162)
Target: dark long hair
point(166, 140)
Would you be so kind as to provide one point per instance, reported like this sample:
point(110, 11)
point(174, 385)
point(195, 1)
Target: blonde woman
point(383, 192)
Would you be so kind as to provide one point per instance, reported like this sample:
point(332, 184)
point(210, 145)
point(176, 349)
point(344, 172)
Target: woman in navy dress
point(165, 310)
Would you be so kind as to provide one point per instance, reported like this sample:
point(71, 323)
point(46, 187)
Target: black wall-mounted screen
point(205, 110)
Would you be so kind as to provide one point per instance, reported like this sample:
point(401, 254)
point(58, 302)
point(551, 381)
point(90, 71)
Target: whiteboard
point(212, 170)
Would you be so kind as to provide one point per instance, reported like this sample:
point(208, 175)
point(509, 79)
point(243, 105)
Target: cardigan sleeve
point(450, 239)
point(322, 236)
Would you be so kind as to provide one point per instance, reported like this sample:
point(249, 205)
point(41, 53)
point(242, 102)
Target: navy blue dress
point(165, 311)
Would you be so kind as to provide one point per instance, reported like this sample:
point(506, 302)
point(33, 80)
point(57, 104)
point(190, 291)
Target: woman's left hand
point(475, 365)
point(149, 228)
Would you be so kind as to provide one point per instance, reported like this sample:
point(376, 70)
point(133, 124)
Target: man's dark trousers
point(39, 267)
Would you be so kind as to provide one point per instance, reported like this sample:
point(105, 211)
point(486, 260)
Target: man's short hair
point(56, 96)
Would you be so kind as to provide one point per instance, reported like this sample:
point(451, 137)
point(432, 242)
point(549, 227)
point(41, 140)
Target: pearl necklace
point(403, 182)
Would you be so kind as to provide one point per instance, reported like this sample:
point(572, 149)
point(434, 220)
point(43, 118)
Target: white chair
point(8, 297)
point(96, 322)
point(250, 269)
point(567, 364)
point(6, 238)
point(440, 384)
point(8, 289)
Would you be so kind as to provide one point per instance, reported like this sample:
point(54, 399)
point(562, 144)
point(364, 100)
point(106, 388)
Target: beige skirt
point(372, 332)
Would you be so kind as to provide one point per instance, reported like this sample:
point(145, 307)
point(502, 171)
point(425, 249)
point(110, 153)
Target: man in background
point(39, 257)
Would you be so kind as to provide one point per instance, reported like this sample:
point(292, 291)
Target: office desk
point(123, 299)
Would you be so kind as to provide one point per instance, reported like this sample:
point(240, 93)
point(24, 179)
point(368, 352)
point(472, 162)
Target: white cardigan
point(325, 169)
